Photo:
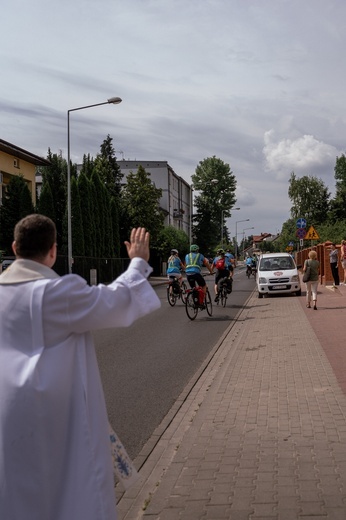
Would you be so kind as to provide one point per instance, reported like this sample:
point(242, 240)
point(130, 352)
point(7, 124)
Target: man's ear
point(14, 246)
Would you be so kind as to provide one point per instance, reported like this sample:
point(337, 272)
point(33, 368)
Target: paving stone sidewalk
point(263, 433)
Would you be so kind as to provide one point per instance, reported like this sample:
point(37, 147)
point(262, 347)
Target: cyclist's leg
point(216, 280)
point(217, 288)
point(201, 282)
point(191, 279)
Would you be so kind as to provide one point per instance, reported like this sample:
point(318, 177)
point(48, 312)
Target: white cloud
point(302, 155)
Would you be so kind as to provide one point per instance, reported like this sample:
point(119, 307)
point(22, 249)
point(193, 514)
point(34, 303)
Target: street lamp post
point(244, 238)
point(191, 214)
point(222, 223)
point(236, 236)
point(114, 101)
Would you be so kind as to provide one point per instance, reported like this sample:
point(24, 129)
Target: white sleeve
point(72, 306)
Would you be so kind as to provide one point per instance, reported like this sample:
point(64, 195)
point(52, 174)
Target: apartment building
point(17, 161)
point(176, 200)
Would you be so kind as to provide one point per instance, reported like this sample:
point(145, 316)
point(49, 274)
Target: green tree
point(338, 204)
point(172, 238)
point(45, 204)
point(16, 204)
point(107, 167)
point(288, 234)
point(55, 176)
point(77, 221)
point(88, 220)
point(310, 199)
point(140, 200)
point(217, 184)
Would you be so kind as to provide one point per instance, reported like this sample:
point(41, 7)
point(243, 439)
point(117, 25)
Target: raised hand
point(139, 244)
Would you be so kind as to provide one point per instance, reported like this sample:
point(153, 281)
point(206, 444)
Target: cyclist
point(175, 266)
point(231, 258)
point(224, 269)
point(194, 262)
point(250, 264)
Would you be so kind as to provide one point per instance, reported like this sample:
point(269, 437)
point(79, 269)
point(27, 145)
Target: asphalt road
point(146, 367)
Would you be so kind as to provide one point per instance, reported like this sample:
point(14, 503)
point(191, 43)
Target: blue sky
point(258, 83)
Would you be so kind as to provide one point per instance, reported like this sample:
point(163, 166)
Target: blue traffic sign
point(301, 233)
point(291, 244)
point(301, 223)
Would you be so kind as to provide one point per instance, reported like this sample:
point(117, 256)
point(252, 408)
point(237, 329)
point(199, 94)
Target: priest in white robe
point(55, 461)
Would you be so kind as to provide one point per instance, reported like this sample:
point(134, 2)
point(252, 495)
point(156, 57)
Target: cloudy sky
point(258, 83)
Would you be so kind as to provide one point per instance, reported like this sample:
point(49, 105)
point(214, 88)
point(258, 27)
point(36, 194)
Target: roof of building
point(261, 237)
point(29, 157)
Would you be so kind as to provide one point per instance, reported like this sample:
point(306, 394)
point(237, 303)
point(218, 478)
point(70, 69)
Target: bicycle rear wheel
point(171, 297)
point(190, 307)
point(208, 304)
point(223, 296)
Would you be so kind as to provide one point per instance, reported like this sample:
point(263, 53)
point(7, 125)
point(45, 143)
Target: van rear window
point(272, 263)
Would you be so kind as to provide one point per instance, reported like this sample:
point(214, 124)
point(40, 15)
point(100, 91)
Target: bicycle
point(175, 291)
point(251, 270)
point(222, 291)
point(196, 300)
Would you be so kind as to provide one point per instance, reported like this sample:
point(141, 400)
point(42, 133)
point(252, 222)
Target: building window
point(16, 163)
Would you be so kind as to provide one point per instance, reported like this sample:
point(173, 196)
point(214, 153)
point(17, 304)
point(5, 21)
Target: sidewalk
point(262, 435)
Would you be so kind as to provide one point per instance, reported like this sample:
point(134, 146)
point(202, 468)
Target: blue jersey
point(194, 263)
point(173, 265)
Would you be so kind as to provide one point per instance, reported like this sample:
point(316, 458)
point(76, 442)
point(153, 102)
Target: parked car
point(5, 264)
point(277, 273)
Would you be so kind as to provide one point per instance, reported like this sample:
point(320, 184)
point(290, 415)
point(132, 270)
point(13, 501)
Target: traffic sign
point(301, 223)
point(301, 233)
point(312, 234)
point(291, 244)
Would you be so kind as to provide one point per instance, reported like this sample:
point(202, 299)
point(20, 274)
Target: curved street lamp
point(113, 101)
point(244, 237)
point(236, 236)
point(222, 223)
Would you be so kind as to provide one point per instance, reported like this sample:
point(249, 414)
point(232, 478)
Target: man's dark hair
point(34, 236)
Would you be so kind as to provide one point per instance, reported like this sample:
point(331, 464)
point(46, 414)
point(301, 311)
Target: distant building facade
point(176, 200)
point(16, 161)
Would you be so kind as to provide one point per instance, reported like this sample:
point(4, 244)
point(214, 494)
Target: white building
point(176, 201)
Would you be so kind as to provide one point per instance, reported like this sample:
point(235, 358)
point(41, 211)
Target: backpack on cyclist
point(229, 285)
point(220, 263)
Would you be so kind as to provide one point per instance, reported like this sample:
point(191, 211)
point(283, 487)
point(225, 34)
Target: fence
point(107, 269)
point(326, 276)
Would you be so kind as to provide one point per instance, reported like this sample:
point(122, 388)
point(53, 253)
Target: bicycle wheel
point(190, 307)
point(208, 304)
point(171, 297)
point(183, 293)
point(223, 296)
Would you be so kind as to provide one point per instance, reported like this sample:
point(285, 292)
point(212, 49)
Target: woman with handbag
point(311, 271)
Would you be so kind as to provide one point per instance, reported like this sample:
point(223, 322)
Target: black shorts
point(195, 277)
point(221, 273)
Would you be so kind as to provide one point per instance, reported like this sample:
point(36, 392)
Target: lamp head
point(114, 100)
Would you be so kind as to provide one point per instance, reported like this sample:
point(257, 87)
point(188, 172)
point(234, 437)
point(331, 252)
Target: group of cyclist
point(223, 264)
point(251, 264)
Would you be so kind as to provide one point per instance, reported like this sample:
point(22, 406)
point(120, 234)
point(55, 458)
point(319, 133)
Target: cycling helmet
point(220, 252)
point(174, 252)
point(194, 248)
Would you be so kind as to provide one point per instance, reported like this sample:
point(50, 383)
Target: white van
point(277, 273)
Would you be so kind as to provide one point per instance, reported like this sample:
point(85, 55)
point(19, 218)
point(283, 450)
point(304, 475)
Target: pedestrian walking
point(333, 259)
point(343, 259)
point(55, 461)
point(312, 283)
